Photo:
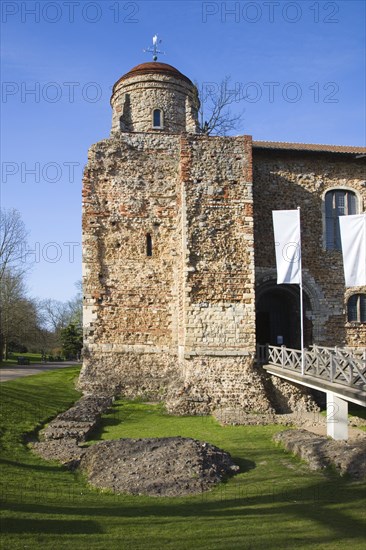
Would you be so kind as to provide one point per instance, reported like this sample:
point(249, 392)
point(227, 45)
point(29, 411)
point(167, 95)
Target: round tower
point(155, 97)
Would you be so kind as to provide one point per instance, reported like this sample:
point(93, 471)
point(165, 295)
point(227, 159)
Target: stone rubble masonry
point(321, 452)
point(184, 317)
point(78, 422)
point(62, 438)
point(288, 179)
point(163, 466)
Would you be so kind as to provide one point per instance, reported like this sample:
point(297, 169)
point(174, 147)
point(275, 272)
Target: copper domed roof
point(151, 68)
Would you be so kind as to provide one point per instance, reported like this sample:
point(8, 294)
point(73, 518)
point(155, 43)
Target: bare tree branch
point(13, 237)
point(55, 315)
point(215, 113)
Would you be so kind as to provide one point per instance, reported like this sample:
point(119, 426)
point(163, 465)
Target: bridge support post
point(337, 417)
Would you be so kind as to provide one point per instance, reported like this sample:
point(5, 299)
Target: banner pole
point(301, 304)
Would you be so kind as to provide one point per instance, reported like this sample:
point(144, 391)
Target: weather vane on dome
point(154, 50)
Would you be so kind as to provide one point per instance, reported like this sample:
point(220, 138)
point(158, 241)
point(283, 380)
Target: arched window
point(157, 118)
point(338, 202)
point(148, 245)
point(356, 308)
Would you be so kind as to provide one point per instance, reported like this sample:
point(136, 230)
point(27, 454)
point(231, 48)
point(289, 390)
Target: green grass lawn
point(274, 503)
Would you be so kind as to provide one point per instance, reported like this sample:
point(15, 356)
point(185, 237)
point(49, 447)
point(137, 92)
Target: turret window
point(157, 117)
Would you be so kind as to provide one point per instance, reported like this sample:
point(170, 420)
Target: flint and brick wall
point(288, 179)
point(184, 317)
point(219, 272)
point(130, 297)
point(218, 304)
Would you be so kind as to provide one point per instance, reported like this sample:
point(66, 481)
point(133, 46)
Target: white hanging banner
point(353, 238)
point(286, 226)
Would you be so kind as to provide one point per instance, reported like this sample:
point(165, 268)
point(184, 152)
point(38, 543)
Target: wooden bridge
point(339, 372)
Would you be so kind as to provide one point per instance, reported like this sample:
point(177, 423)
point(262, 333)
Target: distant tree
point(55, 314)
point(72, 340)
point(18, 316)
point(44, 342)
point(19, 321)
point(23, 320)
point(215, 115)
point(75, 306)
point(13, 237)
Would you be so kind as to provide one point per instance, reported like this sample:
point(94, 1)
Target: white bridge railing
point(338, 365)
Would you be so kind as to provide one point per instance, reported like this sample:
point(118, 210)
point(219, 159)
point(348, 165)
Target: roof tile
point(284, 145)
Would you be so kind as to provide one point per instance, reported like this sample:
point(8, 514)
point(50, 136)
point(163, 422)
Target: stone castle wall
point(218, 340)
point(130, 297)
point(286, 180)
point(219, 248)
point(177, 243)
point(180, 322)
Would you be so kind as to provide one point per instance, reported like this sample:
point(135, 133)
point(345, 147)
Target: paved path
point(18, 371)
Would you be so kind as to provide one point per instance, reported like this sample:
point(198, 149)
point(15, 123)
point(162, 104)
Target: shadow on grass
point(315, 502)
point(37, 467)
point(96, 434)
point(244, 464)
point(54, 526)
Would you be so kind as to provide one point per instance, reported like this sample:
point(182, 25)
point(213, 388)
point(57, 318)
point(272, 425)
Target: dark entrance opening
point(278, 317)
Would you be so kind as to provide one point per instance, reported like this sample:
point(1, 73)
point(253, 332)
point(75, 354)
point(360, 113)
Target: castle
point(178, 252)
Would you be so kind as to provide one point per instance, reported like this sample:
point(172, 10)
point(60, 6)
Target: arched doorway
point(278, 316)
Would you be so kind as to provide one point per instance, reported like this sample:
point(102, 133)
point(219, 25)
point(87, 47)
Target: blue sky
point(301, 66)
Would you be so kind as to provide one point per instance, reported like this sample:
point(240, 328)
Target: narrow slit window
point(157, 118)
point(148, 245)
